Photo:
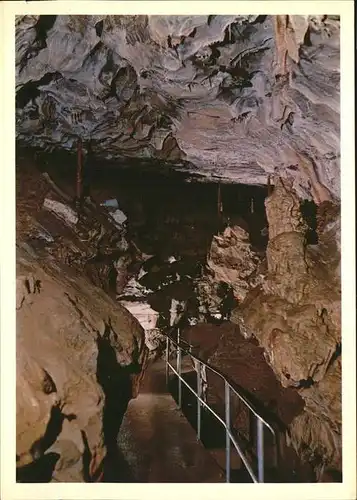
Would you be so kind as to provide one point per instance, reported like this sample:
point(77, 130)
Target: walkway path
point(156, 440)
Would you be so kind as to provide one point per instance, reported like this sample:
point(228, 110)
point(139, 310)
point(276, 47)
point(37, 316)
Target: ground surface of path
point(157, 442)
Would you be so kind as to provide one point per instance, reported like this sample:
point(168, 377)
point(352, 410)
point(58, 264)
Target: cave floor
point(157, 443)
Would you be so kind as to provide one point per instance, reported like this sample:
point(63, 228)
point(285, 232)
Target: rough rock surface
point(233, 261)
point(165, 299)
point(87, 240)
point(295, 315)
point(65, 325)
point(236, 97)
point(59, 401)
point(208, 297)
point(316, 433)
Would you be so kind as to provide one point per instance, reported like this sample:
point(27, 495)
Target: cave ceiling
point(230, 97)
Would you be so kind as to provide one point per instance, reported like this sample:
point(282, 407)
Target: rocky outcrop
point(60, 403)
point(160, 296)
point(232, 260)
point(295, 315)
point(316, 433)
point(208, 296)
point(85, 239)
point(235, 97)
point(78, 351)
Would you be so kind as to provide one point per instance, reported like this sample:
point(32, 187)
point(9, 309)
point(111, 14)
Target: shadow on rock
point(39, 471)
point(117, 384)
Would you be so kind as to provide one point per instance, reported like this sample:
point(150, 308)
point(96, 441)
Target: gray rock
point(237, 97)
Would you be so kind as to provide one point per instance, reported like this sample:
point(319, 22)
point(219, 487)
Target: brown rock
point(317, 434)
point(296, 318)
point(283, 210)
point(232, 259)
point(59, 401)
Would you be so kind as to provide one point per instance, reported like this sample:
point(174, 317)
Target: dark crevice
point(109, 65)
point(307, 38)
point(86, 458)
point(335, 355)
point(116, 382)
point(48, 385)
point(39, 471)
point(112, 279)
point(112, 92)
point(109, 68)
point(44, 24)
point(53, 429)
point(309, 214)
point(260, 20)
point(97, 47)
point(99, 28)
point(31, 90)
point(305, 384)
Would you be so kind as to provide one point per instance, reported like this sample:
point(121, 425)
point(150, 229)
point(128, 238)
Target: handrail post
point(251, 428)
point(199, 392)
point(227, 403)
point(179, 369)
point(260, 446)
point(178, 348)
point(167, 360)
point(179, 378)
point(202, 402)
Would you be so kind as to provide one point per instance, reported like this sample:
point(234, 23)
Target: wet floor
point(213, 433)
point(156, 441)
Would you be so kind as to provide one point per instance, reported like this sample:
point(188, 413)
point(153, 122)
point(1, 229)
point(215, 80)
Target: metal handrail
point(228, 388)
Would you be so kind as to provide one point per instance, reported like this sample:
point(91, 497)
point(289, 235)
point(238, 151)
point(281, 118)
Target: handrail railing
point(228, 388)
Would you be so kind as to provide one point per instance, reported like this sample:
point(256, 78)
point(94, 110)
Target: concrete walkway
point(157, 442)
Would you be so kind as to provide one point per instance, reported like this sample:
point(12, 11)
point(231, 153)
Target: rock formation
point(89, 241)
point(235, 97)
point(233, 261)
point(64, 325)
point(295, 315)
